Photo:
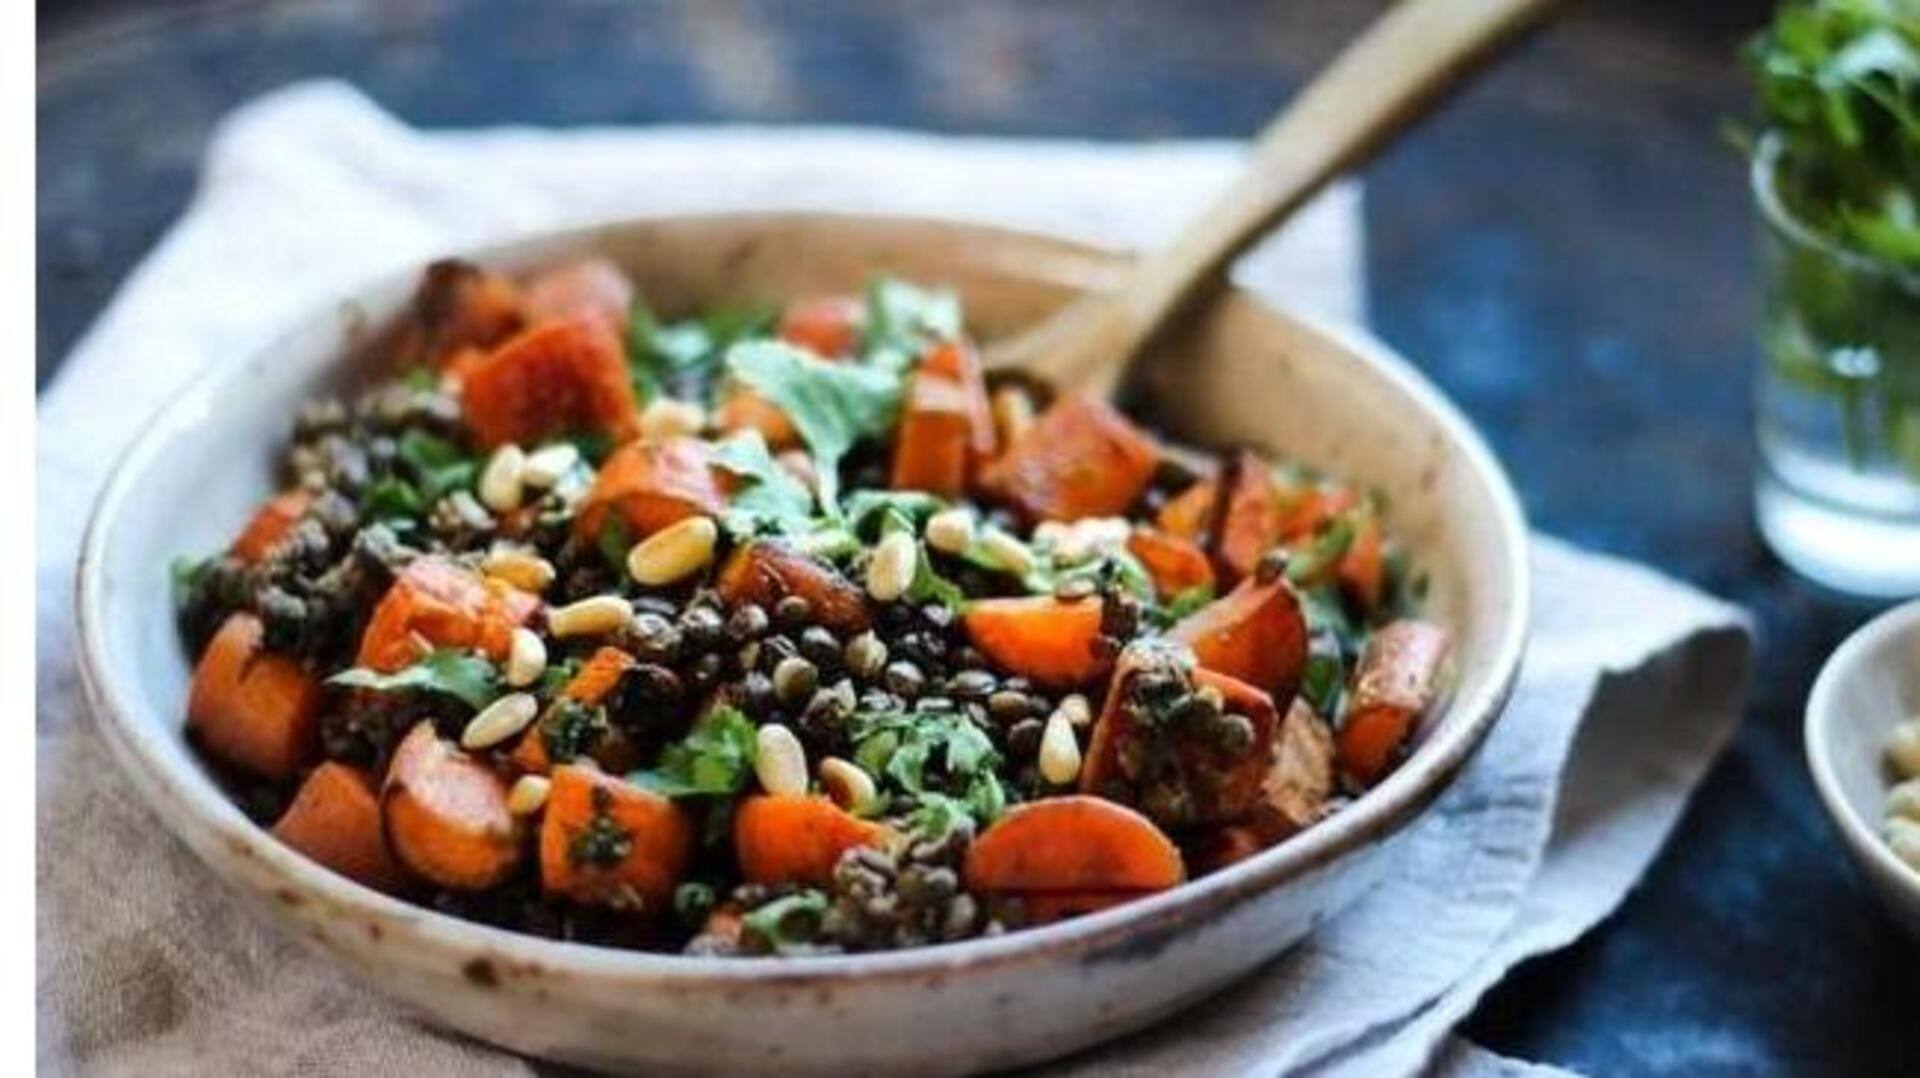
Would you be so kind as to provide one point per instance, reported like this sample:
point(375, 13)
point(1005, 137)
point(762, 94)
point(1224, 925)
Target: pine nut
point(523, 569)
point(1903, 838)
point(528, 794)
point(596, 616)
point(1012, 414)
point(1009, 553)
point(500, 484)
point(500, 720)
point(894, 562)
point(1904, 800)
point(1078, 712)
point(779, 761)
point(1059, 750)
point(950, 531)
point(526, 658)
point(1903, 749)
point(547, 466)
point(667, 417)
point(1050, 533)
point(848, 784)
point(674, 553)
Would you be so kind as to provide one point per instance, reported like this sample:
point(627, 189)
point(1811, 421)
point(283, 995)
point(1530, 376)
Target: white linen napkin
point(146, 965)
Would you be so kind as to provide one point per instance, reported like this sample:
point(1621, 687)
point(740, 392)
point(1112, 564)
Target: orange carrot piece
point(652, 484)
point(558, 377)
point(797, 839)
point(1080, 459)
point(1176, 565)
point(827, 326)
point(269, 525)
point(593, 287)
point(607, 842)
point(1249, 522)
point(767, 570)
point(436, 603)
point(1072, 844)
point(933, 447)
point(959, 363)
point(458, 307)
point(1396, 681)
point(1216, 786)
point(251, 708)
point(335, 820)
point(446, 814)
point(1307, 511)
point(1363, 568)
point(1053, 642)
point(590, 685)
point(1189, 515)
point(743, 409)
point(1255, 633)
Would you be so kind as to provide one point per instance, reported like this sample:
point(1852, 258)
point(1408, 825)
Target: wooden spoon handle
point(1387, 77)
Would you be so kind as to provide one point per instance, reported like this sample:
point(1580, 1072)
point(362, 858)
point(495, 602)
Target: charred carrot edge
point(765, 571)
point(335, 820)
point(656, 835)
point(1072, 844)
point(1053, 642)
point(446, 814)
point(251, 708)
point(457, 309)
point(558, 376)
point(269, 525)
point(797, 839)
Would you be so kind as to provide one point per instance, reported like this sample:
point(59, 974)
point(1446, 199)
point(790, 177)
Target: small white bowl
point(1871, 684)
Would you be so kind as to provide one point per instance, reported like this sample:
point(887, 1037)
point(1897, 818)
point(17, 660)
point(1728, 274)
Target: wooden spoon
point(1402, 65)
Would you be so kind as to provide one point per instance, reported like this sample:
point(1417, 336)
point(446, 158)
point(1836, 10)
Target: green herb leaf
point(614, 542)
point(1323, 554)
point(459, 674)
point(713, 760)
point(789, 924)
point(903, 320)
point(680, 358)
point(1187, 602)
point(832, 405)
point(186, 574)
point(771, 499)
point(921, 754)
point(439, 467)
point(873, 513)
point(392, 498)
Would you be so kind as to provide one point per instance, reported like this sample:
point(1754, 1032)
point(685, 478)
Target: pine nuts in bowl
point(1244, 375)
point(1863, 748)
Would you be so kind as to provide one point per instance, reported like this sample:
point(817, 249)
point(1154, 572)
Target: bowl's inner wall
point(1246, 374)
point(1877, 691)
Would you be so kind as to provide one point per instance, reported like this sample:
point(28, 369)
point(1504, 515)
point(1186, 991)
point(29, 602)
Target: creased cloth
point(147, 966)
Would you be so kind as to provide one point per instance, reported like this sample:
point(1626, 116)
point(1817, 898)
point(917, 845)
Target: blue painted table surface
point(1567, 249)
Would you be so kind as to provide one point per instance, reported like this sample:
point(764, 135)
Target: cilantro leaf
point(680, 357)
point(788, 924)
point(459, 674)
point(902, 320)
point(927, 755)
point(771, 497)
point(439, 467)
point(713, 760)
point(832, 405)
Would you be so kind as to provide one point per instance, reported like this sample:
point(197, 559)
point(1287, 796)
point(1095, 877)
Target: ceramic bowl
point(1867, 687)
point(1243, 373)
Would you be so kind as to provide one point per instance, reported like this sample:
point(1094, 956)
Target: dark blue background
point(1567, 250)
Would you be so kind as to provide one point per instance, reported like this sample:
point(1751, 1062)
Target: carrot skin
point(251, 708)
point(335, 820)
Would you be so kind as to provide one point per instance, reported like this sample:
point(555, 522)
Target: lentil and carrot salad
point(781, 631)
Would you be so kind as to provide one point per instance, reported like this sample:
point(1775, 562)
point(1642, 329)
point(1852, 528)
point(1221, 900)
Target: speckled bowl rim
point(442, 939)
point(1821, 716)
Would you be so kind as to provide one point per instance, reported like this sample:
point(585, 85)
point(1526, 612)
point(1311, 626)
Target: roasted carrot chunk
point(1299, 778)
point(1080, 459)
point(446, 814)
point(765, 571)
point(743, 409)
point(1255, 633)
point(933, 447)
point(270, 524)
point(593, 287)
point(558, 377)
point(1249, 522)
point(959, 363)
point(1363, 568)
point(607, 842)
point(251, 708)
point(1189, 515)
point(1185, 763)
point(435, 603)
point(458, 308)
point(797, 839)
point(1072, 844)
point(1176, 565)
point(827, 326)
point(1053, 642)
point(651, 484)
point(1396, 681)
point(335, 820)
point(1309, 510)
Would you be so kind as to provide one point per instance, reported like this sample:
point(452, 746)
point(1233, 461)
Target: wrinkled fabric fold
point(147, 965)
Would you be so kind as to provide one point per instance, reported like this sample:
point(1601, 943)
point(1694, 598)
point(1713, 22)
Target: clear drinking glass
point(1838, 405)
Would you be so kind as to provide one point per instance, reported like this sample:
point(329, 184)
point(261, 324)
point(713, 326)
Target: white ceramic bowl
point(1244, 374)
point(1868, 686)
